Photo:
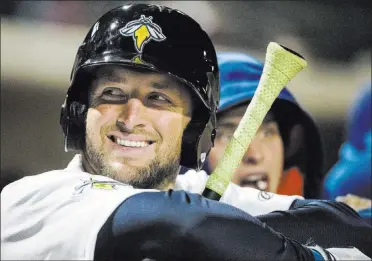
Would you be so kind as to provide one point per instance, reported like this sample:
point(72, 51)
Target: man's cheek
point(94, 137)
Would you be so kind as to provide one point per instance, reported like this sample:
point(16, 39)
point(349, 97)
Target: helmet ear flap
point(74, 111)
point(194, 152)
point(198, 137)
point(205, 144)
point(73, 117)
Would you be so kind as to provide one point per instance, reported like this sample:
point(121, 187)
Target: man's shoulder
point(39, 180)
point(49, 200)
point(36, 187)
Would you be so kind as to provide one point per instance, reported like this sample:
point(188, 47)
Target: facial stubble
point(158, 174)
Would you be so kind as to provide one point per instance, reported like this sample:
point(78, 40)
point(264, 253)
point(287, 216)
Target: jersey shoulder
point(76, 201)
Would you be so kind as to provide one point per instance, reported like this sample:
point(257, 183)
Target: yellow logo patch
point(142, 31)
point(97, 184)
point(138, 60)
point(102, 185)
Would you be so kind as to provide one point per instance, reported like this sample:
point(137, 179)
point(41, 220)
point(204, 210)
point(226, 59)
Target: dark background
point(335, 37)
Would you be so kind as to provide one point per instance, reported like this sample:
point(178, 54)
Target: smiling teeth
point(128, 143)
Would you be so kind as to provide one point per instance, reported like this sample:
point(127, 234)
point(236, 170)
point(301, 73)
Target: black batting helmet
point(160, 39)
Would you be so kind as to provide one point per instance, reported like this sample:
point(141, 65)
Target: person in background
point(286, 155)
point(349, 180)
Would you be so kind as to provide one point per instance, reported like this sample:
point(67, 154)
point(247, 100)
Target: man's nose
point(131, 115)
point(254, 153)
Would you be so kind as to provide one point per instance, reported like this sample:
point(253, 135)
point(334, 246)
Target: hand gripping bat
point(281, 65)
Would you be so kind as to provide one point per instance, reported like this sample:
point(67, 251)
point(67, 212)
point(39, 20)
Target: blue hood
point(360, 118)
point(239, 78)
point(352, 173)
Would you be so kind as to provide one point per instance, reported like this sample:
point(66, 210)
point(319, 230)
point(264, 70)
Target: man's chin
point(141, 174)
point(122, 172)
point(128, 163)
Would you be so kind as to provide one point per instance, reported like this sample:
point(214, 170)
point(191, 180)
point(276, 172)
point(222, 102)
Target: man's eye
point(113, 94)
point(224, 133)
point(159, 98)
point(270, 131)
point(112, 91)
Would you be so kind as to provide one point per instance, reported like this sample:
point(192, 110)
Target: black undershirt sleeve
point(323, 222)
point(177, 225)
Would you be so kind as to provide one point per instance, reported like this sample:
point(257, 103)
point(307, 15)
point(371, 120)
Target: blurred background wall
point(39, 40)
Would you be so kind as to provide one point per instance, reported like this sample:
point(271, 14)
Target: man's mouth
point(130, 143)
point(259, 181)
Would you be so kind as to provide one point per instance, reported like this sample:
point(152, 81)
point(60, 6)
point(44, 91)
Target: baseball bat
point(281, 65)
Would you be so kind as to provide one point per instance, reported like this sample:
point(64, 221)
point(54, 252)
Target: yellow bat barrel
point(281, 65)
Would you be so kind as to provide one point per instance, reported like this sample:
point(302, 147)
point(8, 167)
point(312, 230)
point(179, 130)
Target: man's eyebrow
point(160, 85)
point(111, 77)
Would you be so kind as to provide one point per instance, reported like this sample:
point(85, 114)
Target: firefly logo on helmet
point(138, 60)
point(143, 30)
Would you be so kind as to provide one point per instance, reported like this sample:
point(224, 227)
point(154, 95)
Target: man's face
point(262, 165)
point(134, 126)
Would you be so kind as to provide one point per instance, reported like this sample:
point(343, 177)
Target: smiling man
point(137, 109)
point(134, 127)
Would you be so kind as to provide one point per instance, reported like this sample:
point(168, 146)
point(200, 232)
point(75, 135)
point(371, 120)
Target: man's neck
point(166, 185)
point(169, 184)
point(87, 167)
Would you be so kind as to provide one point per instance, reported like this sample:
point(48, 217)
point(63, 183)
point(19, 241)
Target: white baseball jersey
point(36, 211)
